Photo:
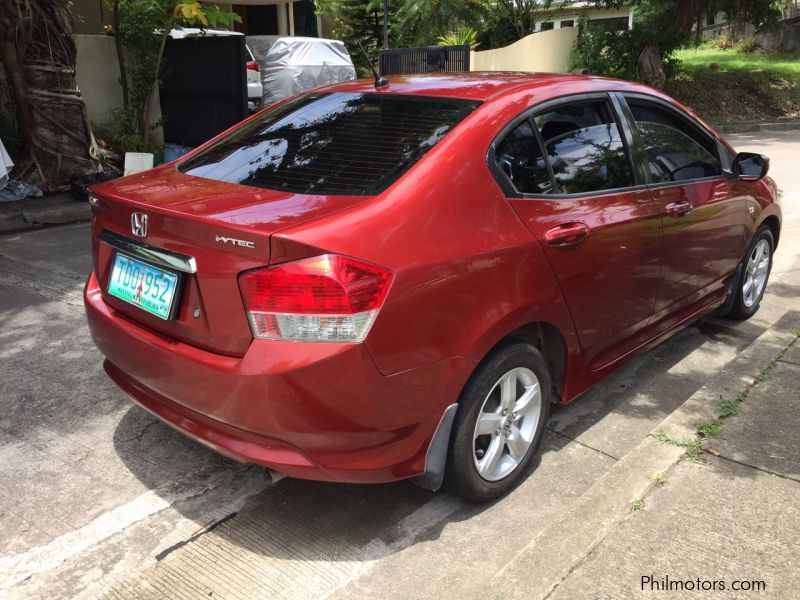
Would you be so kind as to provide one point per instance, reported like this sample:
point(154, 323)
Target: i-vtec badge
point(235, 242)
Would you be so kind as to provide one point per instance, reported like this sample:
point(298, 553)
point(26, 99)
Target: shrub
point(748, 45)
point(616, 53)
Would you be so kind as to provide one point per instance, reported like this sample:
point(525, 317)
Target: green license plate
point(148, 287)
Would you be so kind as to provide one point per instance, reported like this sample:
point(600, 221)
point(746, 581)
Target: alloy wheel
point(507, 424)
point(755, 275)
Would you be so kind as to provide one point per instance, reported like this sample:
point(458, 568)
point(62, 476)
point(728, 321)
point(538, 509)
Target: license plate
point(148, 287)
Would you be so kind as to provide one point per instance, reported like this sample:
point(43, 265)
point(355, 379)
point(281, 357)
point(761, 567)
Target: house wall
point(557, 15)
point(785, 37)
point(90, 16)
point(545, 52)
point(97, 76)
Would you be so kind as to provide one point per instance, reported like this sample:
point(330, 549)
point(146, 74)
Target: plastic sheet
point(293, 64)
point(5, 165)
point(15, 190)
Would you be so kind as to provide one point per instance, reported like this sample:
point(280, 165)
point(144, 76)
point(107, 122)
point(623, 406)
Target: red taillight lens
point(325, 298)
point(251, 65)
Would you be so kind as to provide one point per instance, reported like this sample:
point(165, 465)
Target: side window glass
point(585, 149)
point(675, 151)
point(520, 158)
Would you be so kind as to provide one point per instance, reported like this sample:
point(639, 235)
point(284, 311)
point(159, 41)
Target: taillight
point(251, 65)
point(328, 298)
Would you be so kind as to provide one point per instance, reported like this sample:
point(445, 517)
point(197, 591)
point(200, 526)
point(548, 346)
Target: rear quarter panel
point(467, 271)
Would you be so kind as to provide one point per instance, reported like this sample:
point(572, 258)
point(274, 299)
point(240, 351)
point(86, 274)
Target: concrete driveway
point(99, 498)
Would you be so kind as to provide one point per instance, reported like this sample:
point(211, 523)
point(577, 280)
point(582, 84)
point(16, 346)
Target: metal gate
point(428, 59)
point(203, 87)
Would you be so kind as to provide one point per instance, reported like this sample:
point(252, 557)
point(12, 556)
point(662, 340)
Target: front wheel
point(754, 274)
point(499, 424)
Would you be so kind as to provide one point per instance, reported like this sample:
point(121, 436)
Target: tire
point(753, 275)
point(483, 464)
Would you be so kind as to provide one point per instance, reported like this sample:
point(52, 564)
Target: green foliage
point(360, 21)
point(709, 428)
point(465, 36)
point(144, 26)
point(728, 407)
point(616, 53)
point(762, 14)
point(693, 448)
point(506, 21)
point(661, 27)
point(421, 22)
point(637, 506)
point(748, 45)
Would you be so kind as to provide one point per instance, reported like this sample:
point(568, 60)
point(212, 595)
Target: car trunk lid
point(224, 227)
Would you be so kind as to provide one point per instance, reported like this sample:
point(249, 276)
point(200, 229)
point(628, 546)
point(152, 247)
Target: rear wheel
point(499, 423)
point(753, 275)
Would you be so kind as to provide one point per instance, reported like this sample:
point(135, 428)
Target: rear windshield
point(340, 143)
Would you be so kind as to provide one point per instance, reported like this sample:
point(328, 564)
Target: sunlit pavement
point(100, 498)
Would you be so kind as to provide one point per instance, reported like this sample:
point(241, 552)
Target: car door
point(567, 172)
point(703, 213)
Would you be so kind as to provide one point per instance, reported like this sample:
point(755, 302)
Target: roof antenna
point(379, 81)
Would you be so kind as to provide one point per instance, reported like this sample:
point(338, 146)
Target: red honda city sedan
point(366, 284)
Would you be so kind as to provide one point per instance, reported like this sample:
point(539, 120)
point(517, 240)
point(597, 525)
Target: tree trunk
point(123, 74)
point(650, 64)
point(39, 54)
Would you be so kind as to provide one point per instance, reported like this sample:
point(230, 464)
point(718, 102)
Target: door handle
point(679, 209)
point(566, 234)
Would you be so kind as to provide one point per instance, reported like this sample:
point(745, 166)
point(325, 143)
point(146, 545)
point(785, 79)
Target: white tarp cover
point(5, 165)
point(292, 64)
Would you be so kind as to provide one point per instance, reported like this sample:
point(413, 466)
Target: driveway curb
point(562, 545)
point(34, 213)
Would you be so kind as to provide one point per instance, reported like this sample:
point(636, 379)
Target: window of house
point(568, 23)
point(675, 150)
point(610, 24)
point(584, 148)
point(547, 25)
point(520, 157)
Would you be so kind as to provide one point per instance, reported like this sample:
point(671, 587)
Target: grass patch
point(796, 333)
point(730, 408)
point(637, 506)
point(657, 479)
point(732, 59)
point(709, 428)
point(745, 86)
point(692, 446)
point(765, 372)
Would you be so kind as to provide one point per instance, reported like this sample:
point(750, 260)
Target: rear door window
point(520, 157)
point(585, 149)
point(337, 144)
point(675, 150)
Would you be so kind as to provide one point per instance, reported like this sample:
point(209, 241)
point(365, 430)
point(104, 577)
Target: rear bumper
point(312, 411)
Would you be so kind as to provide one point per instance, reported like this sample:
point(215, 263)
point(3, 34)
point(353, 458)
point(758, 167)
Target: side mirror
point(749, 166)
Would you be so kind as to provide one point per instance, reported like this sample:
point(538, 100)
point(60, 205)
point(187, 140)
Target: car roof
point(485, 85)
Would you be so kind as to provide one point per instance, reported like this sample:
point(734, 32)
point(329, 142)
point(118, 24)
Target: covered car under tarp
point(292, 64)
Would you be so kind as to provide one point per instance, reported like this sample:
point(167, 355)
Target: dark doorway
point(262, 20)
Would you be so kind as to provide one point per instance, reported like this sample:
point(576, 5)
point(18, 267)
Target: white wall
point(543, 52)
point(558, 15)
point(97, 76)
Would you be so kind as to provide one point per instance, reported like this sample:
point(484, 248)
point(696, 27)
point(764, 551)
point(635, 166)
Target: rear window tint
point(340, 143)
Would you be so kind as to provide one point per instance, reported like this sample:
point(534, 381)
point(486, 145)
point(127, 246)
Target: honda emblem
point(139, 224)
